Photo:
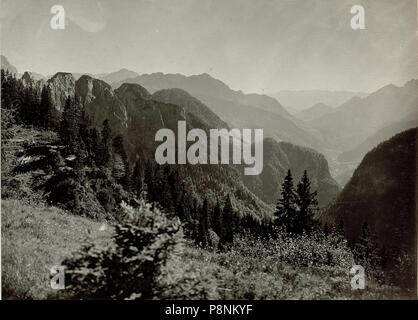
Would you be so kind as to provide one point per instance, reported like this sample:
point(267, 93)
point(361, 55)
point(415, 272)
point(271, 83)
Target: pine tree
point(164, 193)
point(118, 148)
point(47, 112)
point(228, 223)
point(136, 179)
point(217, 219)
point(203, 234)
point(29, 107)
point(68, 127)
point(148, 180)
point(94, 144)
point(366, 252)
point(307, 204)
point(285, 215)
point(105, 146)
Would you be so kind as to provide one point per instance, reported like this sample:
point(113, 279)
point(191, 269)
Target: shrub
point(132, 264)
point(306, 250)
point(143, 261)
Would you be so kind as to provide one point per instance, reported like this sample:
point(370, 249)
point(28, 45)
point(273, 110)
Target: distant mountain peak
point(61, 75)
point(117, 76)
point(6, 65)
point(191, 105)
point(135, 90)
point(26, 78)
point(412, 83)
point(316, 111)
point(61, 85)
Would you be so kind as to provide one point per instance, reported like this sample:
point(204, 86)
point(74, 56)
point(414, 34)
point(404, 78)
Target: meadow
point(35, 238)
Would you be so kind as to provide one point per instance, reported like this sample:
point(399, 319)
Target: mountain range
point(237, 109)
point(137, 114)
point(298, 100)
point(138, 105)
point(355, 120)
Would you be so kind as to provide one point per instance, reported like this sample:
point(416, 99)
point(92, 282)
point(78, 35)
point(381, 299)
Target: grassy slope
point(35, 238)
point(242, 276)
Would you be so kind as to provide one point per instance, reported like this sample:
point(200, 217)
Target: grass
point(35, 238)
point(263, 276)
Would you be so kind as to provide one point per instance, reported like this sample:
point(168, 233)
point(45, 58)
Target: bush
point(143, 261)
point(132, 264)
point(315, 249)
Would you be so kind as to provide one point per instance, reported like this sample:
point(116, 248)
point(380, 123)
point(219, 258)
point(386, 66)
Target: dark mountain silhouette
point(239, 110)
point(357, 119)
point(101, 103)
point(316, 111)
point(281, 156)
point(382, 192)
point(190, 104)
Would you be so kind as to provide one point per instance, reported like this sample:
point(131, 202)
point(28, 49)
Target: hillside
point(382, 192)
point(190, 104)
point(35, 238)
point(281, 156)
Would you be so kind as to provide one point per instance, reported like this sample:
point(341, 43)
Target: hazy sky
point(255, 46)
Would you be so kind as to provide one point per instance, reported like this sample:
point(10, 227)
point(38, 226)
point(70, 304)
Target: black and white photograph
point(209, 150)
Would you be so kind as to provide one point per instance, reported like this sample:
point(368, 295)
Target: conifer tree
point(285, 215)
point(118, 148)
point(217, 219)
point(68, 127)
point(47, 111)
point(307, 204)
point(203, 234)
point(136, 179)
point(148, 180)
point(366, 250)
point(228, 223)
point(105, 146)
point(29, 107)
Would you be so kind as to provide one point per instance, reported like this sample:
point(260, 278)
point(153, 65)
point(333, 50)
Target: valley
point(106, 169)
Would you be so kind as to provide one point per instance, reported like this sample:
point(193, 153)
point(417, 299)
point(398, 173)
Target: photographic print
point(208, 150)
